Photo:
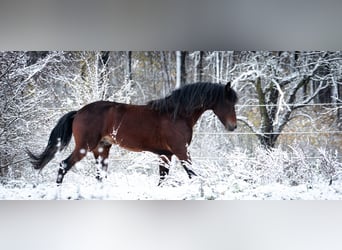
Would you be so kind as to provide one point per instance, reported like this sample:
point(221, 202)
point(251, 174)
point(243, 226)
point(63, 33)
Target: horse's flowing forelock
point(191, 97)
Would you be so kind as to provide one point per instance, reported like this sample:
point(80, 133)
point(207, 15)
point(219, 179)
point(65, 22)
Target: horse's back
point(96, 107)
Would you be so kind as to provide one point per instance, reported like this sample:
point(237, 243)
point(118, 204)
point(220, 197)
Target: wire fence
point(314, 133)
point(338, 103)
point(308, 136)
point(270, 133)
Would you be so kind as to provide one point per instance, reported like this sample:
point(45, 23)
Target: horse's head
point(225, 108)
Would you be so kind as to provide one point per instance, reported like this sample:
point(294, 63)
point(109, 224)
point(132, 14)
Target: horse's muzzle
point(231, 127)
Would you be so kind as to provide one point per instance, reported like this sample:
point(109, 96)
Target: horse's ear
point(228, 86)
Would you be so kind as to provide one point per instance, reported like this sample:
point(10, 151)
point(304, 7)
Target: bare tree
point(20, 101)
point(198, 58)
point(278, 80)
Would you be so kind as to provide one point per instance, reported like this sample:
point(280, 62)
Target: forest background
point(289, 108)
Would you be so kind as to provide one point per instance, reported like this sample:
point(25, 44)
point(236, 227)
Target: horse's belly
point(131, 148)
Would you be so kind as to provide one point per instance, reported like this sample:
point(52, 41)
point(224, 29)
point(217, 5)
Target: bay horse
point(163, 127)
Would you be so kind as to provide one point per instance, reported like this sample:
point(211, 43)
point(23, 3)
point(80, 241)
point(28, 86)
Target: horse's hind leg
point(101, 153)
point(66, 165)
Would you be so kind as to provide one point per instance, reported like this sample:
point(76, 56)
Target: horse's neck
point(193, 118)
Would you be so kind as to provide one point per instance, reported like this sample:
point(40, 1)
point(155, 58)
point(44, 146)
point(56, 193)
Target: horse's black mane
point(191, 97)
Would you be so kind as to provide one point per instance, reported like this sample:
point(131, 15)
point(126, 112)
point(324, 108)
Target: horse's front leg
point(186, 164)
point(184, 157)
point(164, 167)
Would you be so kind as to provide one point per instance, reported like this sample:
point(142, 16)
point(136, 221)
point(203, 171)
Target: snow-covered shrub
point(290, 167)
point(329, 164)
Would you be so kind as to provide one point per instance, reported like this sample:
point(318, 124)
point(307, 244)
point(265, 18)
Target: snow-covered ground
point(141, 187)
point(228, 179)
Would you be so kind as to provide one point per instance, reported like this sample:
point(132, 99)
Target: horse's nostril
point(231, 127)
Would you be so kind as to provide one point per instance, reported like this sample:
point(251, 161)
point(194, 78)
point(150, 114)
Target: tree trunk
point(199, 67)
point(266, 138)
point(218, 62)
point(181, 70)
point(103, 69)
point(129, 66)
point(166, 71)
point(339, 106)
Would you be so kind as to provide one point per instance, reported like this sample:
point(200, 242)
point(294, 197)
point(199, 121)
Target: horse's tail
point(59, 138)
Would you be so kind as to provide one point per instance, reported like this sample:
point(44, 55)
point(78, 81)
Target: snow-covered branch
point(249, 124)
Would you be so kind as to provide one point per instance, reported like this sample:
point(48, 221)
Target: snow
point(137, 179)
point(141, 187)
